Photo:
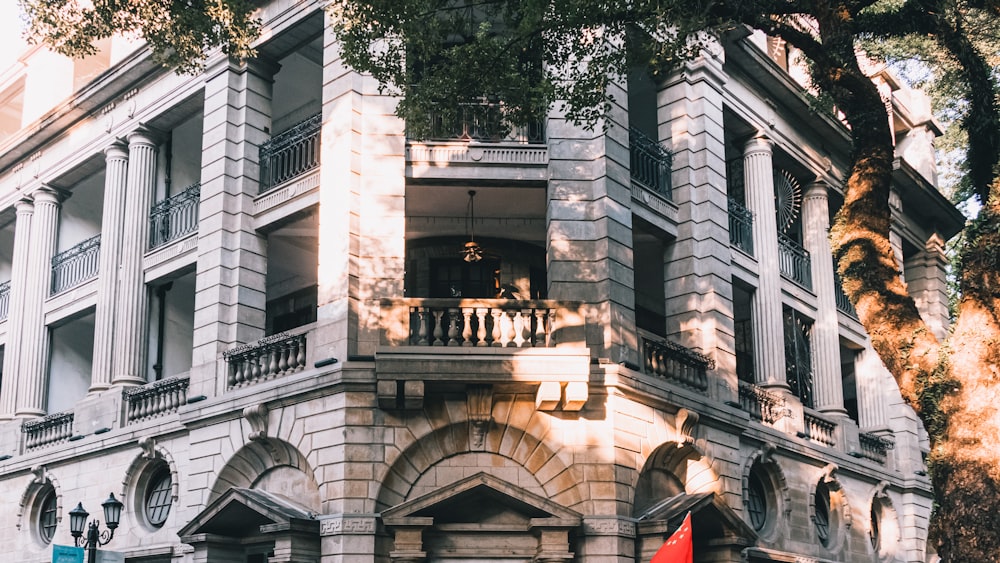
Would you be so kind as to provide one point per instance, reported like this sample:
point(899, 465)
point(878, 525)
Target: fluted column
point(827, 387)
point(34, 334)
point(765, 307)
point(130, 323)
point(15, 313)
point(872, 378)
point(112, 227)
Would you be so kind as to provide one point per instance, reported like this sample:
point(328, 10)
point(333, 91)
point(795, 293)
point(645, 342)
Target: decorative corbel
point(828, 476)
point(685, 422)
point(767, 451)
point(881, 490)
point(40, 475)
point(256, 415)
point(479, 400)
point(148, 445)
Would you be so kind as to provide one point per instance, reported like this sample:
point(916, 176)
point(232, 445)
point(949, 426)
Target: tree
point(438, 54)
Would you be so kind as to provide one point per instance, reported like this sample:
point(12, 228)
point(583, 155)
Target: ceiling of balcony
point(516, 213)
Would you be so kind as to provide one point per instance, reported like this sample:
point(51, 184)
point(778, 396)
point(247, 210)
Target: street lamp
point(95, 537)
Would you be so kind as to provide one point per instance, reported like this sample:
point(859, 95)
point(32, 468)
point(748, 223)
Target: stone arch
point(255, 460)
point(40, 481)
point(139, 473)
point(764, 458)
point(674, 468)
point(453, 439)
point(840, 508)
point(889, 532)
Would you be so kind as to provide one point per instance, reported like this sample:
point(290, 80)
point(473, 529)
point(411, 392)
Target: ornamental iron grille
point(290, 154)
point(740, 226)
point(756, 500)
point(821, 502)
point(4, 299)
point(744, 350)
point(798, 356)
point(480, 121)
point(72, 267)
point(649, 163)
point(735, 183)
point(174, 217)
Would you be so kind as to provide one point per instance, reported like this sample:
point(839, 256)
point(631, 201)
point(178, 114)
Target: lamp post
point(95, 537)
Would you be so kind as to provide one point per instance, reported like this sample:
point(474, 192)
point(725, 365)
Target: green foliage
point(179, 32)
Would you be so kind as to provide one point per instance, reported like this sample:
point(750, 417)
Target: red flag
point(677, 549)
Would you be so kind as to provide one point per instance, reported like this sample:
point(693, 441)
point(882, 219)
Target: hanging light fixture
point(471, 252)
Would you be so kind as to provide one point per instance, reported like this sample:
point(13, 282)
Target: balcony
point(4, 299)
point(154, 399)
point(818, 429)
point(48, 431)
point(740, 226)
point(675, 363)
point(174, 217)
point(269, 358)
point(649, 164)
point(844, 304)
point(762, 405)
point(72, 267)
point(290, 154)
point(793, 261)
point(874, 447)
point(483, 122)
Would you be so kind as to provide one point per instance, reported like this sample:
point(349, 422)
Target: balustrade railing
point(174, 217)
point(740, 226)
point(761, 404)
point(676, 363)
point(480, 121)
point(818, 429)
point(268, 358)
point(76, 265)
point(4, 299)
point(481, 323)
point(649, 163)
point(844, 304)
point(154, 399)
point(290, 154)
point(793, 261)
point(48, 431)
point(875, 447)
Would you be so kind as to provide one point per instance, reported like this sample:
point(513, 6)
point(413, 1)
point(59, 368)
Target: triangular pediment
point(246, 512)
point(711, 518)
point(482, 499)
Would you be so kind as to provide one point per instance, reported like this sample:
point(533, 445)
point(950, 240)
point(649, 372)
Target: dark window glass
point(822, 502)
point(47, 517)
point(451, 278)
point(873, 533)
point(158, 499)
point(756, 502)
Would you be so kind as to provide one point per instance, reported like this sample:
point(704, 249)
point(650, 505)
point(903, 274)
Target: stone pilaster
point(15, 314)
point(871, 377)
point(927, 283)
point(130, 321)
point(34, 334)
point(232, 256)
point(112, 227)
point(697, 273)
point(765, 306)
point(827, 387)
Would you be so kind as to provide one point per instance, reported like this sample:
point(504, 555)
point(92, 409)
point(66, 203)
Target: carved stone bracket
point(256, 415)
point(148, 445)
point(479, 400)
point(40, 475)
point(685, 422)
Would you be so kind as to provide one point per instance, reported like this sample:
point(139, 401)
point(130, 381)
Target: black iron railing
point(740, 226)
point(761, 404)
point(72, 267)
point(4, 299)
point(672, 361)
point(290, 153)
point(479, 121)
point(649, 163)
point(844, 304)
point(174, 217)
point(875, 447)
point(793, 261)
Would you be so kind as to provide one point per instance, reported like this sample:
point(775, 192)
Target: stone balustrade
point(268, 358)
point(818, 429)
point(48, 431)
point(875, 447)
point(154, 399)
point(761, 404)
point(674, 362)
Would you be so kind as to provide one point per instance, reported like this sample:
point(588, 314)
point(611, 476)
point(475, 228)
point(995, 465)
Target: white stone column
point(765, 306)
point(15, 313)
point(33, 362)
point(827, 386)
point(132, 308)
point(871, 376)
point(113, 226)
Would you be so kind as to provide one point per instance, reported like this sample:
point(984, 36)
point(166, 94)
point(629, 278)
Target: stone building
point(245, 303)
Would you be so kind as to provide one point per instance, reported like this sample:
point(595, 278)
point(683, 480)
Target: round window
point(756, 501)
point(158, 498)
point(47, 512)
point(822, 504)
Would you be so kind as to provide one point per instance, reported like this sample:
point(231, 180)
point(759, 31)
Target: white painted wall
point(297, 90)
point(178, 329)
point(80, 214)
point(70, 359)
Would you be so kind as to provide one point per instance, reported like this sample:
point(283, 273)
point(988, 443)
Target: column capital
point(758, 144)
point(118, 150)
point(143, 135)
point(24, 206)
point(817, 189)
point(48, 194)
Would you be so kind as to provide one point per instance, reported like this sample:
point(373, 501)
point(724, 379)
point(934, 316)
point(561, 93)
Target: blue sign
point(67, 554)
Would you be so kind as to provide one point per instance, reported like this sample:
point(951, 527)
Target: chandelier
point(471, 251)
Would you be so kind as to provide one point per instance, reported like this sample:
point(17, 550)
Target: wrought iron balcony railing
point(51, 430)
point(154, 399)
point(268, 358)
point(480, 121)
point(761, 404)
point(4, 299)
point(649, 163)
point(844, 304)
point(677, 363)
point(874, 447)
point(740, 226)
point(174, 217)
point(794, 262)
point(72, 267)
point(290, 154)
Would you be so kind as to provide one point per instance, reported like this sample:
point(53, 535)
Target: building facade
point(246, 303)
